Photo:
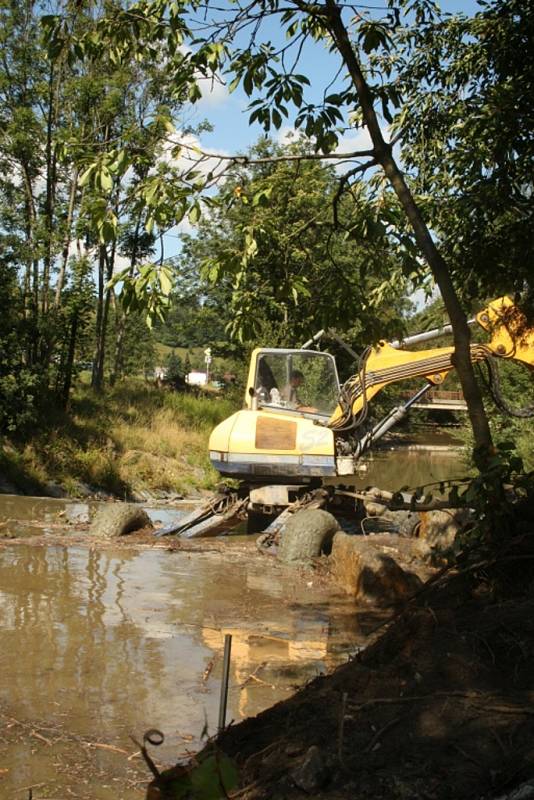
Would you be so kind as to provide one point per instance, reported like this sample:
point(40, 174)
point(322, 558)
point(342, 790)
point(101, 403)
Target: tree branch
point(343, 182)
point(246, 160)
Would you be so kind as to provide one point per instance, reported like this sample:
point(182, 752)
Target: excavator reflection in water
point(300, 426)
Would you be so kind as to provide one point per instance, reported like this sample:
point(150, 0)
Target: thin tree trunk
point(49, 199)
point(69, 364)
point(119, 345)
point(32, 268)
point(121, 320)
point(66, 239)
point(98, 366)
point(438, 266)
point(95, 384)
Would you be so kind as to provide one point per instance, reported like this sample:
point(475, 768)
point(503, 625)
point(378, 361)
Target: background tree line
point(92, 94)
point(60, 241)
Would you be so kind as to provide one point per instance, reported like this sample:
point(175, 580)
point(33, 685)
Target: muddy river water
point(98, 644)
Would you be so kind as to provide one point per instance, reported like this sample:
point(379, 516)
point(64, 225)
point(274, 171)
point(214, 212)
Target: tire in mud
point(306, 535)
point(408, 523)
point(118, 519)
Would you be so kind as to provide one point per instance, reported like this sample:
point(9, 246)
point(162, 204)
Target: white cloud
point(348, 143)
point(214, 92)
point(192, 154)
point(77, 249)
point(287, 134)
point(354, 140)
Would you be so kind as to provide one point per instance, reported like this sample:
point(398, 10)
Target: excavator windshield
point(299, 380)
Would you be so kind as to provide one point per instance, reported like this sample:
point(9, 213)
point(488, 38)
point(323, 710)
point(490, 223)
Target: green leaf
point(248, 85)
point(277, 118)
point(214, 777)
point(262, 197)
point(166, 281)
point(84, 178)
point(106, 181)
point(232, 86)
point(107, 231)
point(194, 214)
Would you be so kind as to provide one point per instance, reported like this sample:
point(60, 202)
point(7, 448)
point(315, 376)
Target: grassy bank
point(136, 438)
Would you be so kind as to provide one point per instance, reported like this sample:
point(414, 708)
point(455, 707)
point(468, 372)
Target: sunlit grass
point(134, 438)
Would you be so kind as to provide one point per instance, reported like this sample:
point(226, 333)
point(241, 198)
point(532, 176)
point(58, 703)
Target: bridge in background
point(440, 400)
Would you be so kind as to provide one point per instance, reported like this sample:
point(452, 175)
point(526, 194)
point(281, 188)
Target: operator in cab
point(290, 393)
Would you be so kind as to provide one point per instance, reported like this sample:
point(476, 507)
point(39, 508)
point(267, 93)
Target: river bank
point(145, 444)
point(136, 442)
point(440, 707)
point(105, 639)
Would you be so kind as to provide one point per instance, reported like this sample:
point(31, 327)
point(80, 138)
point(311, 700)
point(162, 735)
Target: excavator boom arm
point(382, 365)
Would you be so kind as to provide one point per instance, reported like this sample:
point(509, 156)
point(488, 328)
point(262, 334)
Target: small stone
point(311, 774)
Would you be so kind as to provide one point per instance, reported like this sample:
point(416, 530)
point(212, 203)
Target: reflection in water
point(98, 644)
point(394, 469)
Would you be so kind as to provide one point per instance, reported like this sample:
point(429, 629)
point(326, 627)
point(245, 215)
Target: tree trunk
point(95, 377)
point(32, 300)
point(66, 239)
point(98, 365)
point(121, 317)
point(437, 264)
point(50, 191)
point(69, 364)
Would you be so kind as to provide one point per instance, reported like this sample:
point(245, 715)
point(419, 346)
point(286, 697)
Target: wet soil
point(102, 640)
point(440, 707)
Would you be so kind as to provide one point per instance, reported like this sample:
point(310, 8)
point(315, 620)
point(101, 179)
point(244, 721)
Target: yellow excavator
point(299, 423)
point(300, 426)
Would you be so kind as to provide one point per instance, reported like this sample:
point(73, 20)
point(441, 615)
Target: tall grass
point(134, 438)
point(200, 413)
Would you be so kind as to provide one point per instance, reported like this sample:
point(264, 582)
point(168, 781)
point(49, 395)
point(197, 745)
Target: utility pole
point(207, 359)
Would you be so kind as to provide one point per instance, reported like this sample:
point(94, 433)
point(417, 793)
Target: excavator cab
point(305, 382)
point(281, 431)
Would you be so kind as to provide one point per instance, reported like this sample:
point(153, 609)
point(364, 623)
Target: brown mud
point(102, 639)
point(440, 707)
point(106, 639)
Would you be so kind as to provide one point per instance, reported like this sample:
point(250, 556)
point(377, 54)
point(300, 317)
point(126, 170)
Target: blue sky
point(228, 114)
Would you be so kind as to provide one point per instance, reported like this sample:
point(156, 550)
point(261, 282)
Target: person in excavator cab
point(289, 392)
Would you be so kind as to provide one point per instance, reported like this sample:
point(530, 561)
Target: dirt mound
point(440, 707)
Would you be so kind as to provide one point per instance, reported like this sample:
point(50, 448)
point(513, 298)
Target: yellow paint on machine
point(238, 434)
